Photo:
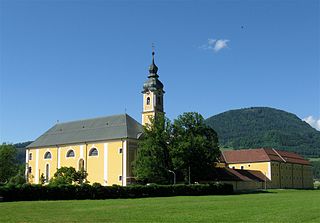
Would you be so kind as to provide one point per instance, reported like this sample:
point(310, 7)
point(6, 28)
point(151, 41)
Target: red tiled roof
point(291, 157)
point(262, 155)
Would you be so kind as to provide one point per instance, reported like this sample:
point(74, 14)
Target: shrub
point(28, 192)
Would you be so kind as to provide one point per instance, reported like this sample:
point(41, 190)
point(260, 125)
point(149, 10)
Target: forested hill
point(265, 127)
point(21, 151)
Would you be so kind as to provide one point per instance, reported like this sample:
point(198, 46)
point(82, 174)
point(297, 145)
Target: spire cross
point(152, 48)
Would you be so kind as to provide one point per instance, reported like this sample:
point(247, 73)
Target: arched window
point(70, 153)
point(47, 173)
point(148, 100)
point(47, 155)
point(93, 152)
point(81, 165)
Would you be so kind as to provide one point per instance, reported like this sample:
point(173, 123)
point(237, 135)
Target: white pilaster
point(124, 163)
point(37, 167)
point(269, 171)
point(105, 164)
point(27, 164)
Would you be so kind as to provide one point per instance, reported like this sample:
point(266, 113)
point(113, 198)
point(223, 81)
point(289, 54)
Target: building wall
point(245, 185)
point(148, 109)
point(282, 175)
point(146, 117)
point(112, 165)
point(264, 167)
point(307, 176)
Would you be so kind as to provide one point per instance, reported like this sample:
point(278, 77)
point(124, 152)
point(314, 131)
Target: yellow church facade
point(107, 161)
point(104, 147)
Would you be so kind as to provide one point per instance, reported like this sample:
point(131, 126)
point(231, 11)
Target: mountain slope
point(265, 127)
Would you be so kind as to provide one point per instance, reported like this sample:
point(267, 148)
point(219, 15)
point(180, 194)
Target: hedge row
point(29, 192)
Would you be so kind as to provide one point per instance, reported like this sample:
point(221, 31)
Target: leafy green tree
point(8, 162)
point(153, 159)
point(67, 176)
point(195, 147)
point(20, 177)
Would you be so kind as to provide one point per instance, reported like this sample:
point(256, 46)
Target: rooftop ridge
point(88, 119)
point(279, 155)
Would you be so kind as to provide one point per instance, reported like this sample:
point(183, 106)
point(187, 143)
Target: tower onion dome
point(153, 83)
point(153, 69)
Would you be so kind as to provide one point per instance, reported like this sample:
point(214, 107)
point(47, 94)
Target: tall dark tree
point(153, 160)
point(8, 162)
point(195, 147)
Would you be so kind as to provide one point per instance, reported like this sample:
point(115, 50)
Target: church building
point(104, 147)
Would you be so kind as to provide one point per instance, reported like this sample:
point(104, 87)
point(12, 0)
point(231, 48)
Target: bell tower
point(152, 94)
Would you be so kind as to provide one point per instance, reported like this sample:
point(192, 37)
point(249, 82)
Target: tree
point(153, 159)
point(20, 177)
point(8, 162)
point(68, 175)
point(195, 147)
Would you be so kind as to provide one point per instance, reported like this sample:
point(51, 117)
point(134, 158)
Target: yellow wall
point(70, 161)
point(264, 167)
point(150, 110)
point(147, 107)
point(106, 168)
point(282, 175)
point(115, 163)
point(42, 162)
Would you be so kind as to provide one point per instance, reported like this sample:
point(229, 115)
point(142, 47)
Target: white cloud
point(220, 44)
point(313, 122)
point(215, 44)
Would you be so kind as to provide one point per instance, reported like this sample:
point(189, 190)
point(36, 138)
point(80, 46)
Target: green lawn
point(276, 206)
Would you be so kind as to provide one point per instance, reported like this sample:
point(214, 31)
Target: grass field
point(276, 206)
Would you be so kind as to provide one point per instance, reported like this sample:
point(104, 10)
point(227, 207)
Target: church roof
point(90, 130)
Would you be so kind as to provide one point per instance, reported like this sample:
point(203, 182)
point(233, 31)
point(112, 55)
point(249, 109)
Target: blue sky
point(70, 60)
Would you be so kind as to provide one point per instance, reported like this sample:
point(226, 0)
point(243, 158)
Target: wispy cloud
point(215, 44)
point(315, 123)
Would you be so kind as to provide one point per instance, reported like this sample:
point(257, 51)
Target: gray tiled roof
point(90, 130)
